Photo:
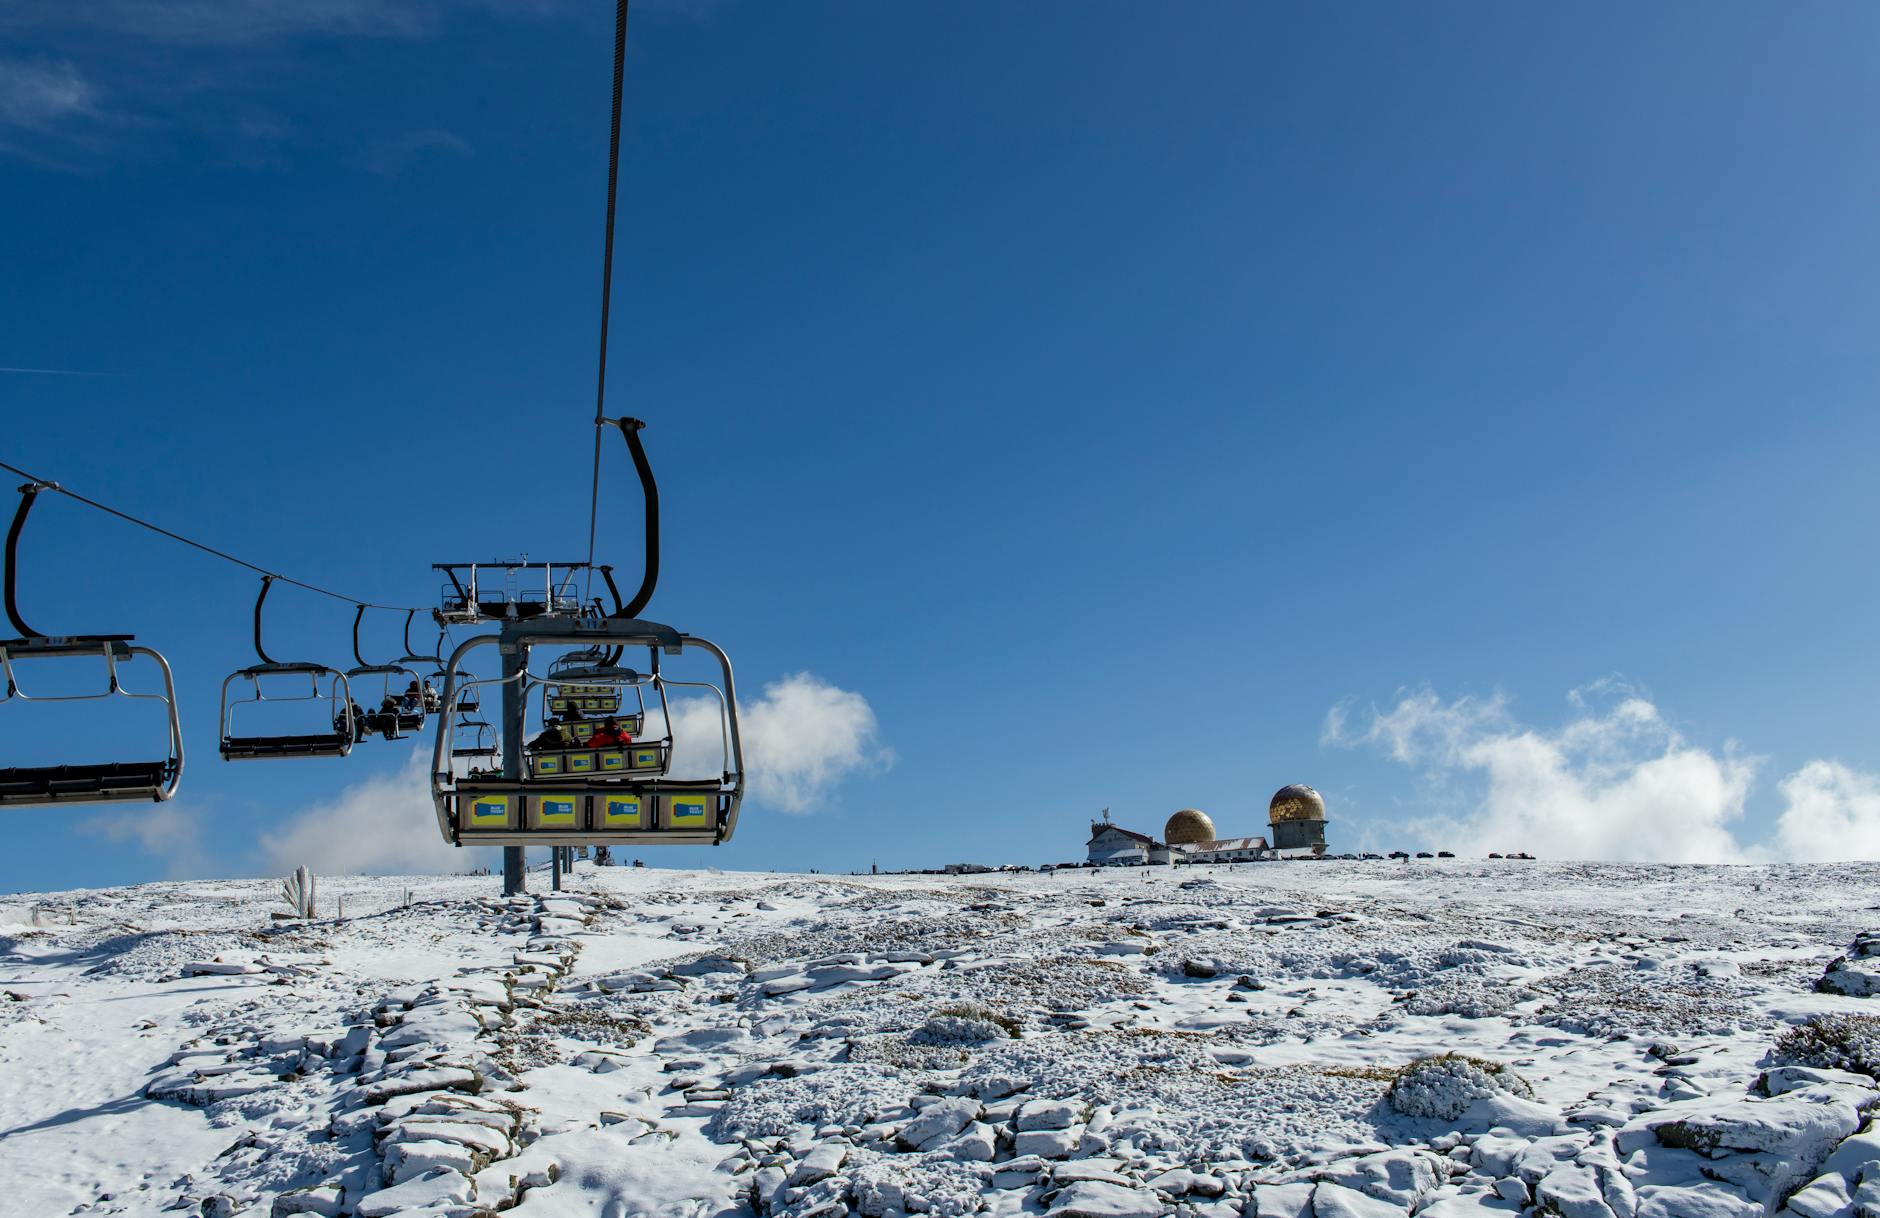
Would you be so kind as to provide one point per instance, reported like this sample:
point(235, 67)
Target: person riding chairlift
point(552, 738)
point(360, 727)
point(386, 721)
point(412, 701)
point(609, 736)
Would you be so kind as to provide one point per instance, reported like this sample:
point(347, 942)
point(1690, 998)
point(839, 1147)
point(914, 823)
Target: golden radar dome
point(1296, 801)
point(1187, 827)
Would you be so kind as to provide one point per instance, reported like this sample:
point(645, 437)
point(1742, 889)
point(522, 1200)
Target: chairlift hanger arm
point(649, 488)
point(28, 494)
point(267, 581)
point(410, 655)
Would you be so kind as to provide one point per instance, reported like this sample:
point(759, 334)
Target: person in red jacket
point(609, 736)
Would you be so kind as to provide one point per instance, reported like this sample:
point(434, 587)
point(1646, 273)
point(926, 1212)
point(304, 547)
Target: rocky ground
point(1313, 1040)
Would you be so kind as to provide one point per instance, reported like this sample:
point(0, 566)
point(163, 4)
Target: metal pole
point(554, 856)
point(515, 659)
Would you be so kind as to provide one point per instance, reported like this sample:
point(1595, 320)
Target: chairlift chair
point(470, 596)
point(522, 803)
point(587, 695)
point(347, 728)
point(525, 804)
point(431, 700)
point(403, 719)
point(482, 741)
point(589, 685)
point(27, 786)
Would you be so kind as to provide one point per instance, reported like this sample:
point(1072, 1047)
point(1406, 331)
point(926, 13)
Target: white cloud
point(37, 95)
point(1832, 814)
point(1616, 782)
point(388, 157)
point(166, 831)
point(801, 737)
point(230, 22)
point(384, 825)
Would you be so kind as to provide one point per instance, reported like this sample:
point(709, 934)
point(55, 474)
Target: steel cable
point(607, 282)
point(50, 485)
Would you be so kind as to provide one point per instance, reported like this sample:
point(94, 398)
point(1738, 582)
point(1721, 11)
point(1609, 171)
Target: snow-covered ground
point(1208, 1041)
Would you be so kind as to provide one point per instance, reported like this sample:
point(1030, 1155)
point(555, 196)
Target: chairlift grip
point(28, 494)
point(613, 589)
point(357, 618)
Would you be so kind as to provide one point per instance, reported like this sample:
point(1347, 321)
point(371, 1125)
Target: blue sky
point(1138, 406)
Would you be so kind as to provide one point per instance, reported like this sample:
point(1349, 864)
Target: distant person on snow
point(609, 736)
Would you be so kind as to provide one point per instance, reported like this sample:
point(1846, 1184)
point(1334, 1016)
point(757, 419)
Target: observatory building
point(1192, 838)
point(1297, 816)
point(1189, 827)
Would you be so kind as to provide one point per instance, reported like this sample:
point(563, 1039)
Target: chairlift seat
point(251, 748)
point(124, 780)
point(584, 704)
point(498, 811)
point(639, 760)
point(70, 644)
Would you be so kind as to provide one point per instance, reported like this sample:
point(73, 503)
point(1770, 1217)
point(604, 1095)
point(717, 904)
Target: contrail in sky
point(54, 372)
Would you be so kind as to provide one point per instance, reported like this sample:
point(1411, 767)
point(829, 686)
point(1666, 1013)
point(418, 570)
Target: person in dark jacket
point(552, 738)
point(360, 728)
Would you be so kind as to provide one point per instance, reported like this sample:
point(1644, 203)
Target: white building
point(1225, 850)
point(1112, 845)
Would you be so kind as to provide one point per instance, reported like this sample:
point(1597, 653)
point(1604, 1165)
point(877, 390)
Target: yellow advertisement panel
point(488, 812)
point(689, 812)
point(554, 812)
point(622, 812)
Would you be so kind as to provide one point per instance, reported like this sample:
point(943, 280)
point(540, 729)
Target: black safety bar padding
point(273, 667)
point(283, 743)
point(67, 644)
point(114, 773)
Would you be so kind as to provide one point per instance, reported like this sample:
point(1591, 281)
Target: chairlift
point(588, 696)
point(473, 594)
point(481, 743)
point(430, 699)
point(28, 786)
point(576, 796)
point(588, 685)
point(406, 705)
point(588, 796)
point(345, 716)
